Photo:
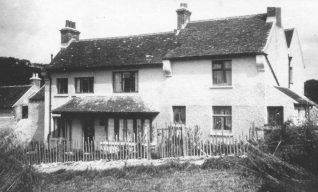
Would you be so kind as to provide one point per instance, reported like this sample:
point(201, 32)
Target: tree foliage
point(311, 90)
point(15, 71)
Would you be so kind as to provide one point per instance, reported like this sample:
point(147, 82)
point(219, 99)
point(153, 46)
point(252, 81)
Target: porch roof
point(301, 100)
point(103, 104)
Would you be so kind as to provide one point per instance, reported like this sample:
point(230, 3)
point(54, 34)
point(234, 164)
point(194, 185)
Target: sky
point(29, 29)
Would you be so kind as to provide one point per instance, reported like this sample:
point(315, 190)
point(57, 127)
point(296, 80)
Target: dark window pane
point(275, 115)
point(125, 81)
point(25, 112)
point(222, 72)
point(218, 123)
point(179, 114)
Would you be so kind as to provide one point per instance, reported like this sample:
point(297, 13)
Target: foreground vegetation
point(285, 161)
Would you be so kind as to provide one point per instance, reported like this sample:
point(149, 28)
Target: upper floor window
point(62, 85)
point(25, 112)
point(125, 81)
point(222, 72)
point(84, 85)
point(179, 114)
point(222, 118)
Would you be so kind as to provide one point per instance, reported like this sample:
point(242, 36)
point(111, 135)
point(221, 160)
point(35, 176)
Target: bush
point(14, 174)
point(297, 145)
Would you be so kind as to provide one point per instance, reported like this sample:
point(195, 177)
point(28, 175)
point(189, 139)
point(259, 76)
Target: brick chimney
point(274, 15)
point(35, 80)
point(183, 16)
point(69, 33)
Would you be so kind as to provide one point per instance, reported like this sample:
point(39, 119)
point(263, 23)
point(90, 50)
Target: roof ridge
point(127, 36)
point(15, 86)
point(226, 18)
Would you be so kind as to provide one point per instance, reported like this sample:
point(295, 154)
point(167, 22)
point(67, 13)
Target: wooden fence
point(170, 142)
point(66, 151)
point(173, 142)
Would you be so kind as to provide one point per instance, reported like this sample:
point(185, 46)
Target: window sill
point(61, 95)
point(220, 134)
point(221, 87)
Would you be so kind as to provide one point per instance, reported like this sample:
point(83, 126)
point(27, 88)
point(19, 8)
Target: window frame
point(122, 89)
point(59, 132)
point(223, 70)
point(269, 118)
point(81, 88)
point(223, 116)
point(25, 113)
point(59, 82)
point(182, 108)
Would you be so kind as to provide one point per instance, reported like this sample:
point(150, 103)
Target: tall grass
point(14, 174)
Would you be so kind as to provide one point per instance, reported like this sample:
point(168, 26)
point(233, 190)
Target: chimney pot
point(69, 33)
point(183, 16)
point(274, 14)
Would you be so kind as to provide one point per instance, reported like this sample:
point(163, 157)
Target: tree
point(15, 71)
point(311, 90)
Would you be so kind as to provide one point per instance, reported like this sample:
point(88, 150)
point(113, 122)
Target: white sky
point(29, 29)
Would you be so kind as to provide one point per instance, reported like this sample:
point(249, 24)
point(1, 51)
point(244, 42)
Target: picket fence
point(170, 143)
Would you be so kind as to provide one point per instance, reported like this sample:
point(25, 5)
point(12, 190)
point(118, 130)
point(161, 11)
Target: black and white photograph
point(159, 95)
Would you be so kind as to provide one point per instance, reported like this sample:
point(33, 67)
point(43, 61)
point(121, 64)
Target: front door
point(88, 130)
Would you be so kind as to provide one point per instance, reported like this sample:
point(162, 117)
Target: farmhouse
point(222, 75)
point(22, 108)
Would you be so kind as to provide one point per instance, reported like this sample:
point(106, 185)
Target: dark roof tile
point(133, 50)
point(38, 96)
point(228, 36)
point(114, 104)
point(302, 100)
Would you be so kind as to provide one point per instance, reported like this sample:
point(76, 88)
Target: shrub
point(14, 174)
point(297, 145)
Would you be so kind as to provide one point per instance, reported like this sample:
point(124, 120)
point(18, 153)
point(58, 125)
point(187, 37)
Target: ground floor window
point(179, 114)
point(222, 118)
point(25, 112)
point(59, 128)
point(275, 115)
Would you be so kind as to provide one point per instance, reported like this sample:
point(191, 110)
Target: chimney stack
point(183, 16)
point(35, 80)
point(69, 33)
point(274, 15)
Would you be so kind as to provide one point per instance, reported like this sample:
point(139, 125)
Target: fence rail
point(169, 143)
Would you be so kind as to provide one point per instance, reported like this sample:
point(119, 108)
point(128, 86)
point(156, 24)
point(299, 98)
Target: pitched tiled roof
point(302, 100)
point(133, 50)
point(38, 96)
point(228, 36)
point(115, 104)
point(289, 35)
point(11, 94)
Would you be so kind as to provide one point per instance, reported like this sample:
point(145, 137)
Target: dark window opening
point(62, 85)
point(125, 81)
point(222, 118)
point(275, 116)
point(222, 72)
point(25, 112)
point(179, 114)
point(84, 85)
point(59, 128)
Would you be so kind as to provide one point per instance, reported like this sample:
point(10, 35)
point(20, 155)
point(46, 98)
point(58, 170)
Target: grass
point(170, 177)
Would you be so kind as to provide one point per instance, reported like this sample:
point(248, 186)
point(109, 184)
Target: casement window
point(25, 112)
point(62, 85)
point(126, 81)
point(179, 114)
point(222, 118)
point(275, 115)
point(222, 72)
point(84, 85)
point(59, 128)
